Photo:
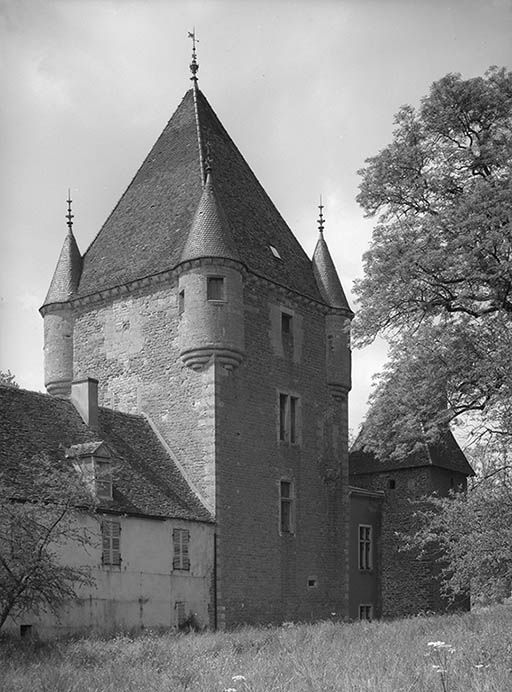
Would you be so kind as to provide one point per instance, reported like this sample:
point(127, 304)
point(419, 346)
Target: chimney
point(84, 397)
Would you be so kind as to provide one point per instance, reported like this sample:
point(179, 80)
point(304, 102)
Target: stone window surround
point(365, 546)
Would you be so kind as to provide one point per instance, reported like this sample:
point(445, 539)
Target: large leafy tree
point(438, 274)
point(42, 507)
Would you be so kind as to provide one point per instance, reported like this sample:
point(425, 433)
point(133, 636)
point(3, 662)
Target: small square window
point(366, 612)
point(286, 507)
point(391, 484)
point(312, 582)
point(215, 288)
point(365, 547)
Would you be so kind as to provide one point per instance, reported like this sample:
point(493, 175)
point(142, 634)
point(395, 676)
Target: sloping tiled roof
point(327, 277)
point(210, 235)
point(146, 481)
point(446, 454)
point(146, 232)
point(67, 272)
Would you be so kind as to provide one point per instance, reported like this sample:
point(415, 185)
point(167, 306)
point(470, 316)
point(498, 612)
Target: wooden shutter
point(181, 557)
point(111, 542)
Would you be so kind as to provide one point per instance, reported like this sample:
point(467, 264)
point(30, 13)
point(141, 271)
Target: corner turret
point(337, 320)
point(58, 316)
point(210, 289)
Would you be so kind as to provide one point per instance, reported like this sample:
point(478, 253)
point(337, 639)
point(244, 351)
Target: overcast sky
point(307, 90)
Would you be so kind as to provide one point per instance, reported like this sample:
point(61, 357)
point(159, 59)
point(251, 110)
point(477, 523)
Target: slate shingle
point(146, 480)
point(446, 454)
point(146, 232)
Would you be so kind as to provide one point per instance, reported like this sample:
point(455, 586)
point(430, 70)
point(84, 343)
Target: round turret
point(212, 318)
point(210, 289)
point(337, 321)
point(58, 350)
point(58, 316)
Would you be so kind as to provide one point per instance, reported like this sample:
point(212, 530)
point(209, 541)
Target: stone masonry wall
point(130, 345)
point(409, 586)
point(264, 575)
point(222, 427)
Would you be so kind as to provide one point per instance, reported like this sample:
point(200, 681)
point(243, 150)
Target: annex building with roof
point(198, 350)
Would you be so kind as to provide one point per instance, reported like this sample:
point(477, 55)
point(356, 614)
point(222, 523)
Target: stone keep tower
point(196, 306)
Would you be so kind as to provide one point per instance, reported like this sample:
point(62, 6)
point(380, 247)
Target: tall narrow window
point(287, 332)
point(289, 418)
point(286, 502)
point(181, 558)
point(215, 288)
point(283, 416)
point(111, 542)
point(103, 479)
point(365, 547)
point(181, 302)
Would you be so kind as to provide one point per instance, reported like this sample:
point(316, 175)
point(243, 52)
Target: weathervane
point(193, 65)
point(69, 215)
point(321, 216)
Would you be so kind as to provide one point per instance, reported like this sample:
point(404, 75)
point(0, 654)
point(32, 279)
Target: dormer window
point(103, 479)
point(93, 462)
point(215, 288)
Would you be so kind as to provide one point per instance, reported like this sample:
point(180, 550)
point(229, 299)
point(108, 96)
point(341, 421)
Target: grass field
point(384, 657)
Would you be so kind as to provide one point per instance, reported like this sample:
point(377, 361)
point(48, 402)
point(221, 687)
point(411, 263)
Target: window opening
point(111, 542)
point(103, 479)
point(312, 583)
point(287, 332)
point(215, 288)
point(275, 252)
point(365, 612)
point(391, 484)
point(25, 631)
point(286, 507)
point(365, 547)
point(181, 557)
point(288, 418)
point(181, 302)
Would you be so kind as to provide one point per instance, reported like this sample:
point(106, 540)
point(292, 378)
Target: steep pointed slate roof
point(67, 272)
point(327, 277)
point(146, 232)
point(210, 234)
point(146, 481)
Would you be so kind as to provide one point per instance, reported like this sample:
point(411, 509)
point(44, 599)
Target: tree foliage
point(471, 533)
point(438, 275)
point(42, 503)
point(8, 379)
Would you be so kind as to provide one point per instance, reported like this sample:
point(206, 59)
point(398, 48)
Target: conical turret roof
point(67, 272)
point(147, 231)
point(210, 234)
point(327, 277)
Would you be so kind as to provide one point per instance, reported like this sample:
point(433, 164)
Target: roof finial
point(194, 64)
point(321, 216)
point(69, 215)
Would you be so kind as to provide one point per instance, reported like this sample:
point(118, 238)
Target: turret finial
point(69, 215)
point(194, 66)
point(321, 216)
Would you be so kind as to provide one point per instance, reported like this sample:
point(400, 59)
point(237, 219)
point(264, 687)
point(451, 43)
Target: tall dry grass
point(381, 656)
